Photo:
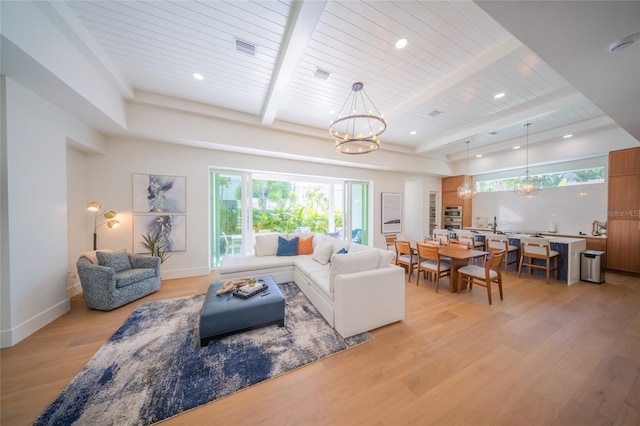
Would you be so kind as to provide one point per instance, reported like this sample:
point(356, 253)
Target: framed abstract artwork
point(172, 230)
point(391, 212)
point(159, 194)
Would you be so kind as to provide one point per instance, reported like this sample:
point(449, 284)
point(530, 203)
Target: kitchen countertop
point(554, 236)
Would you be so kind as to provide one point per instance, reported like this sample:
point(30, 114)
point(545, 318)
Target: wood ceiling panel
point(157, 45)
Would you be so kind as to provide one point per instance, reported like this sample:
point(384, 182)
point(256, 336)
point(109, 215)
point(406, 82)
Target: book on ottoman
point(247, 291)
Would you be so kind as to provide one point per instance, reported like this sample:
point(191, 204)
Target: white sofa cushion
point(386, 256)
point(267, 244)
point(249, 264)
point(320, 281)
point(352, 262)
point(355, 247)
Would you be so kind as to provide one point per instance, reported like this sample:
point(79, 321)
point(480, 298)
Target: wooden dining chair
point(390, 240)
point(405, 256)
point(538, 248)
point(484, 275)
point(460, 244)
point(440, 236)
point(501, 242)
point(471, 239)
point(429, 262)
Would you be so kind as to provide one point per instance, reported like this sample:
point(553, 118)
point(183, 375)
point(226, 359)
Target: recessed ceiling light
point(498, 96)
point(567, 136)
point(493, 133)
point(478, 155)
point(401, 43)
point(412, 132)
point(624, 43)
point(516, 147)
point(198, 76)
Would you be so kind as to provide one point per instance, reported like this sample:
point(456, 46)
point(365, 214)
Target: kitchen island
point(568, 247)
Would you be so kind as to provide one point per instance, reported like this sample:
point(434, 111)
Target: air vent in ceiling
point(434, 113)
point(244, 47)
point(321, 74)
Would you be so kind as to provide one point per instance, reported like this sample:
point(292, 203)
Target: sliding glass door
point(229, 216)
point(357, 213)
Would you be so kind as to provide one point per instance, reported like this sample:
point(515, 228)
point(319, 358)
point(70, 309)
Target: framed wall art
point(159, 194)
point(172, 229)
point(391, 212)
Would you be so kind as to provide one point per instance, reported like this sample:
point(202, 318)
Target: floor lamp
point(109, 215)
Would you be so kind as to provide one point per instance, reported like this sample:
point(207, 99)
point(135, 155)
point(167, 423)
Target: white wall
point(76, 214)
point(34, 289)
point(572, 208)
point(109, 181)
point(416, 204)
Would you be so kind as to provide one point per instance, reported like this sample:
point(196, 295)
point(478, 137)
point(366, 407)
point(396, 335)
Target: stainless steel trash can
point(591, 267)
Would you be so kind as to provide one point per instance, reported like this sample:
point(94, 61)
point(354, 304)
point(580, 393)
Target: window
point(245, 204)
point(549, 180)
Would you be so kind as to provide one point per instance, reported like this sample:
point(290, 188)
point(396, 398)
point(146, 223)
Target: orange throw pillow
point(305, 246)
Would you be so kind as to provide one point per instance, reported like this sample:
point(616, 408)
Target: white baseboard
point(75, 289)
point(13, 336)
point(184, 273)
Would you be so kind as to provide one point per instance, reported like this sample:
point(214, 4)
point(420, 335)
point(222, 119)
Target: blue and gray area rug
point(153, 367)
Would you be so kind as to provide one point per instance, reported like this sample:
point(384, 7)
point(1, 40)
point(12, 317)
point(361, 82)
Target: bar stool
point(538, 248)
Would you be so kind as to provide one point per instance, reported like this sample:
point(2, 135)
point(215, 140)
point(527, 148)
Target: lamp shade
point(109, 214)
point(113, 224)
point(93, 206)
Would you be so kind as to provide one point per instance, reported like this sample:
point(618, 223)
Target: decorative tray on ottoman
point(247, 291)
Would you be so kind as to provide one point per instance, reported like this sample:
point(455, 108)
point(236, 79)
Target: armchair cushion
point(118, 261)
point(127, 277)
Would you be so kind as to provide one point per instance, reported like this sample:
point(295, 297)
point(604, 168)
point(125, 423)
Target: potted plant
point(153, 244)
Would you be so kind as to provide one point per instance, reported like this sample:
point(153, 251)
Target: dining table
point(459, 258)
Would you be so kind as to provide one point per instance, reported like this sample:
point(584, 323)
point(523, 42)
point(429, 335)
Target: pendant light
point(528, 185)
point(465, 191)
point(358, 124)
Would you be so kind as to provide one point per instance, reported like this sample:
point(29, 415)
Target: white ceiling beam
point(303, 22)
point(62, 17)
point(594, 125)
point(528, 114)
point(464, 75)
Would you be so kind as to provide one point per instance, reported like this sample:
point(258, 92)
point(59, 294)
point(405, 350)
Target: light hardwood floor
point(547, 354)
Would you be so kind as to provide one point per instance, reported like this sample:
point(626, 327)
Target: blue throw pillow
point(342, 251)
point(287, 247)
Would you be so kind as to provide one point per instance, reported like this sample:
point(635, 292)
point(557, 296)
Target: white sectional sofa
point(355, 291)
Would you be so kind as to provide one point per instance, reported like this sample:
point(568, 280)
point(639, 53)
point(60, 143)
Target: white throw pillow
point(352, 262)
point(322, 254)
point(267, 244)
point(355, 247)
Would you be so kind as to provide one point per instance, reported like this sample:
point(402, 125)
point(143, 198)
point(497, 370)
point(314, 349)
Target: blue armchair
point(110, 280)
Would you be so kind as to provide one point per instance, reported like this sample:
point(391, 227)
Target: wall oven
point(452, 223)
point(453, 217)
point(453, 212)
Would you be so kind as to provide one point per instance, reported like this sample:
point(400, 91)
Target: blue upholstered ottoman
point(225, 315)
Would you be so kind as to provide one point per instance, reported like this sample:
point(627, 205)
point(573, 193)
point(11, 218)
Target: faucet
point(495, 224)
point(597, 226)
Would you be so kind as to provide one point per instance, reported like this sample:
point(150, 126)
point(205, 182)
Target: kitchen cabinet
point(450, 197)
point(623, 214)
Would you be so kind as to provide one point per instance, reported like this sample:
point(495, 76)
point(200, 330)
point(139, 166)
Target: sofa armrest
point(368, 299)
point(140, 261)
point(96, 276)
